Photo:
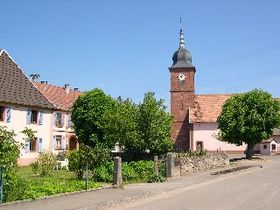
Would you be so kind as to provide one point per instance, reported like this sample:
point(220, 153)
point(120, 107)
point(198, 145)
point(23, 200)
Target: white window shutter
point(27, 145)
point(54, 119)
point(8, 114)
point(40, 145)
point(69, 121)
point(28, 116)
point(63, 142)
point(62, 120)
point(40, 118)
point(54, 142)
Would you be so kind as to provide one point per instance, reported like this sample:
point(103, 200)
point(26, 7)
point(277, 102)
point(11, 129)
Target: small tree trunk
point(250, 151)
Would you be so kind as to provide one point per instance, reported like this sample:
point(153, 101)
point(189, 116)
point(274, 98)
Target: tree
point(9, 149)
point(155, 125)
point(121, 125)
point(9, 154)
point(87, 115)
point(248, 118)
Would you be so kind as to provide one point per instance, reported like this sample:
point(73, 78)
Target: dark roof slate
point(16, 88)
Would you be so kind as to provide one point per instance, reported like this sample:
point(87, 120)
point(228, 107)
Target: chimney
point(76, 89)
point(66, 87)
point(44, 82)
point(34, 77)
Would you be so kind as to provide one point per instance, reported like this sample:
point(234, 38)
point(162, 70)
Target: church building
point(194, 115)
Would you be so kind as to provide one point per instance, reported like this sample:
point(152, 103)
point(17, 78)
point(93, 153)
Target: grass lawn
point(59, 181)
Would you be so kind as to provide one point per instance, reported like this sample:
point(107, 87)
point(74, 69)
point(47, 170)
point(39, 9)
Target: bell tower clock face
point(181, 78)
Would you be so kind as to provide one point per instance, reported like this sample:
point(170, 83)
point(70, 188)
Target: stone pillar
point(117, 180)
point(156, 165)
point(170, 164)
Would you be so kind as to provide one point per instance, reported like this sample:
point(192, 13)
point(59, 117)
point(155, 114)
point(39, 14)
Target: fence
point(1, 184)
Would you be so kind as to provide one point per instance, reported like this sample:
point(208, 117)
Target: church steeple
point(182, 93)
point(182, 57)
point(181, 38)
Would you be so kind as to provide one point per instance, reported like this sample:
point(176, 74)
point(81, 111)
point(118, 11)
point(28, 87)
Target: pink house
point(23, 105)
point(46, 109)
point(63, 136)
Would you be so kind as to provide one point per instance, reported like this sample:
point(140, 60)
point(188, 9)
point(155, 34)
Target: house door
point(73, 143)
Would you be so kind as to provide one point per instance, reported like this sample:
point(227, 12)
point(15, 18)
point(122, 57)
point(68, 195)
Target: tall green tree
point(155, 125)
point(249, 118)
point(121, 125)
point(87, 116)
point(9, 154)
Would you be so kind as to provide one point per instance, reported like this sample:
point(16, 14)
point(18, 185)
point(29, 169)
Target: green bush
point(156, 178)
point(104, 173)
point(15, 187)
point(44, 164)
point(94, 156)
point(137, 171)
point(140, 171)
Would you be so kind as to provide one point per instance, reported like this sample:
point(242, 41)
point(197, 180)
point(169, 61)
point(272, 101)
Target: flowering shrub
point(44, 164)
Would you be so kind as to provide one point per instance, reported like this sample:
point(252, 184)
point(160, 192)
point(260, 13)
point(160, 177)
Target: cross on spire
point(181, 37)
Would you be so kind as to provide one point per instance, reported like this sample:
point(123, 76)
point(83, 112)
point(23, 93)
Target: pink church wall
point(204, 132)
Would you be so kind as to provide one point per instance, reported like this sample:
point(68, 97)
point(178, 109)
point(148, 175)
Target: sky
point(125, 47)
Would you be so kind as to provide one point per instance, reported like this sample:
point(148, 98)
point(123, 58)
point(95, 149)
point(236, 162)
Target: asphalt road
point(257, 189)
point(252, 189)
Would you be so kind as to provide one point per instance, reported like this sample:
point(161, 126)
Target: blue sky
point(125, 47)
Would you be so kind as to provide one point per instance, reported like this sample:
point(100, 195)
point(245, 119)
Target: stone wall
point(188, 164)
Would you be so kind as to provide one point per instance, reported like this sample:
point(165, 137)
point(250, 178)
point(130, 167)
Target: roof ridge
point(56, 86)
point(216, 94)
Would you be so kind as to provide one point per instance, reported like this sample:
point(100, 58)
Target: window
point(30, 145)
point(59, 142)
point(34, 116)
point(33, 145)
point(59, 120)
point(264, 146)
point(2, 113)
point(273, 147)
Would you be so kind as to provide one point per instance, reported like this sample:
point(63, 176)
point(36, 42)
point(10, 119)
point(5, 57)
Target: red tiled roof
point(58, 95)
point(207, 108)
point(16, 88)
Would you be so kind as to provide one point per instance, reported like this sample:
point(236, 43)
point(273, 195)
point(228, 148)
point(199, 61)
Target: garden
point(100, 122)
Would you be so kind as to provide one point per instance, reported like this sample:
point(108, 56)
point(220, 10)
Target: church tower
point(182, 93)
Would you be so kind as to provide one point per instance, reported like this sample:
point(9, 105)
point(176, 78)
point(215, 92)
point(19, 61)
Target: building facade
point(23, 106)
point(63, 135)
point(194, 116)
point(46, 109)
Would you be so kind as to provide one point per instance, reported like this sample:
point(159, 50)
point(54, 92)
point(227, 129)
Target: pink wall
point(205, 132)
point(18, 123)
